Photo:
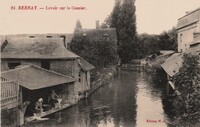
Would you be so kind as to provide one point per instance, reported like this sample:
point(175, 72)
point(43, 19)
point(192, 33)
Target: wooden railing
point(9, 91)
point(4, 79)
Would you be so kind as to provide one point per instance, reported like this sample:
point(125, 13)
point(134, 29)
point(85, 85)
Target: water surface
point(130, 100)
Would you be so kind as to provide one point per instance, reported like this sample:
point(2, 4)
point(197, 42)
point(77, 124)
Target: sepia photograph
point(100, 63)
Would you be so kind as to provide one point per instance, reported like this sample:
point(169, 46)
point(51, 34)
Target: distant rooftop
point(98, 34)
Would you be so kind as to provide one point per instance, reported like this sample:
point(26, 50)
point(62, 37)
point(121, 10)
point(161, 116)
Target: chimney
point(97, 24)
point(64, 40)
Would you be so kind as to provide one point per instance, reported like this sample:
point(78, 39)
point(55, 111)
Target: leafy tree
point(187, 82)
point(168, 40)
point(147, 44)
point(115, 14)
point(101, 53)
point(124, 20)
point(126, 26)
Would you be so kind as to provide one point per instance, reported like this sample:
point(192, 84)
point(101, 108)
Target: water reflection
point(149, 112)
point(128, 101)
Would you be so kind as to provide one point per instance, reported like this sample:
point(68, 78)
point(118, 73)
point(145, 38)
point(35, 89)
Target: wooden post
point(168, 78)
point(168, 89)
point(21, 112)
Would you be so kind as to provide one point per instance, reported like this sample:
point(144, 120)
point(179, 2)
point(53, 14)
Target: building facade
point(186, 27)
point(36, 65)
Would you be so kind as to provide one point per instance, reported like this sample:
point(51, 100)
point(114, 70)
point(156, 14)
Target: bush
point(187, 82)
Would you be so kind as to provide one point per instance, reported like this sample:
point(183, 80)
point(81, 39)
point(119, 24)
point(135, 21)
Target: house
point(188, 42)
point(98, 34)
point(186, 27)
point(39, 64)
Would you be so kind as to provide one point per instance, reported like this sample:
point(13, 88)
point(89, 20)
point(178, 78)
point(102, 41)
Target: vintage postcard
point(100, 63)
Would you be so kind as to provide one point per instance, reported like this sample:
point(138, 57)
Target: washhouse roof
point(33, 77)
point(86, 65)
point(174, 62)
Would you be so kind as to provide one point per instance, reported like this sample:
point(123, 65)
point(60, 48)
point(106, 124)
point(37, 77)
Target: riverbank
point(103, 77)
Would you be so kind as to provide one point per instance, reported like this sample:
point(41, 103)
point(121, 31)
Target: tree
point(124, 20)
point(115, 14)
point(147, 44)
point(168, 40)
point(187, 82)
point(127, 31)
point(78, 24)
point(101, 53)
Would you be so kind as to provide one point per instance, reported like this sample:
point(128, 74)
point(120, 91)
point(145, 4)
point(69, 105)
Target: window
point(12, 65)
point(31, 36)
point(181, 38)
point(45, 64)
point(79, 76)
point(49, 36)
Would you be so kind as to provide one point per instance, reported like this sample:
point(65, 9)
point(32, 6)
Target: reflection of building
point(186, 26)
point(34, 65)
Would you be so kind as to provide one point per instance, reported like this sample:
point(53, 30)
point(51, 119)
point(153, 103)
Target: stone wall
point(64, 67)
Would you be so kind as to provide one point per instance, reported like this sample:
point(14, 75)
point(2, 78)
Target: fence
point(9, 91)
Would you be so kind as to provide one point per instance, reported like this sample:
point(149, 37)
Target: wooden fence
point(9, 91)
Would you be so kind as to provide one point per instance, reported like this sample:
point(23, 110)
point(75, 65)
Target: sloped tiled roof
point(166, 52)
point(191, 17)
point(98, 34)
point(174, 63)
point(36, 48)
point(33, 77)
point(86, 65)
point(68, 37)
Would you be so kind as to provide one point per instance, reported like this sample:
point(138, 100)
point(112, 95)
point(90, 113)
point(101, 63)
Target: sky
point(153, 16)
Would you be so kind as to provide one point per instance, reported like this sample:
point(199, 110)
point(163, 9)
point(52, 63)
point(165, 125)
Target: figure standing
point(54, 98)
point(38, 106)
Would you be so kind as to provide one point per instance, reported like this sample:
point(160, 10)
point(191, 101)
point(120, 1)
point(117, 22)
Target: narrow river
point(130, 100)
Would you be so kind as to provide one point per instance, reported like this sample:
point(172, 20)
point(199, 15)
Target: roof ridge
point(190, 13)
point(25, 66)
